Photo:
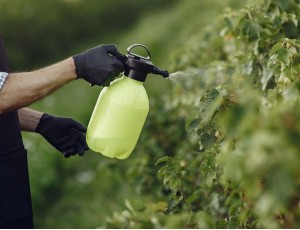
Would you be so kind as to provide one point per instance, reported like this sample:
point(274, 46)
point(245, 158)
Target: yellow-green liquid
point(118, 118)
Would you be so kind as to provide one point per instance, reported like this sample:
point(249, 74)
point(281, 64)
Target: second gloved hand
point(98, 64)
point(65, 134)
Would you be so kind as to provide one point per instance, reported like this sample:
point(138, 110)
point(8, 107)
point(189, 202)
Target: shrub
point(238, 91)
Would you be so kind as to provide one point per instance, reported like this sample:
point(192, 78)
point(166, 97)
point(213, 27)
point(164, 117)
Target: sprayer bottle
point(122, 108)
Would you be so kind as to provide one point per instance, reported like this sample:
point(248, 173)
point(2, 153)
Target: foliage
point(239, 95)
point(246, 120)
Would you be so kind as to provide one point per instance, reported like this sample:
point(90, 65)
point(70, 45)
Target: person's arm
point(65, 134)
point(21, 89)
point(29, 119)
point(96, 66)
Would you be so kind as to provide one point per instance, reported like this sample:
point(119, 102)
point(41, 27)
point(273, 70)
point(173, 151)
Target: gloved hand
point(65, 134)
point(98, 64)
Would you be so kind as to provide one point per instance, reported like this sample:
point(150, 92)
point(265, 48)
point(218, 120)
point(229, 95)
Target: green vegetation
point(220, 148)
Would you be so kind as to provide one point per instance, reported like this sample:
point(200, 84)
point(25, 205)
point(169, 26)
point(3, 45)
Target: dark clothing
point(15, 200)
point(23, 223)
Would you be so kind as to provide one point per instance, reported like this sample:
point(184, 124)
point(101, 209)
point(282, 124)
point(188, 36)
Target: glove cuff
point(79, 64)
point(39, 128)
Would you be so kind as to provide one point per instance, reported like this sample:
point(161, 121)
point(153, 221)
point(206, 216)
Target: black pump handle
point(136, 55)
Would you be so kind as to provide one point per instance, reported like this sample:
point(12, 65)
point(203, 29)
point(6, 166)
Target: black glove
point(65, 134)
point(98, 65)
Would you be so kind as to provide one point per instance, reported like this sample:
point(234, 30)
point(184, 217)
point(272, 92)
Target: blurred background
point(82, 192)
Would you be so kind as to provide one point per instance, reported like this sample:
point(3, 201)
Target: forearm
point(22, 89)
point(29, 119)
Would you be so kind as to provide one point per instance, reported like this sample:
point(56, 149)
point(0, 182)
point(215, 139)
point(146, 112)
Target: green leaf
point(162, 171)
point(233, 222)
point(275, 48)
point(283, 4)
point(193, 126)
point(173, 183)
point(267, 3)
point(129, 206)
point(209, 105)
point(163, 159)
point(283, 56)
point(266, 76)
point(290, 30)
point(221, 224)
point(251, 30)
point(166, 179)
point(207, 140)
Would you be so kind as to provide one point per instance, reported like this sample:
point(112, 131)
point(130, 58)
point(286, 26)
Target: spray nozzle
point(161, 72)
point(137, 66)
